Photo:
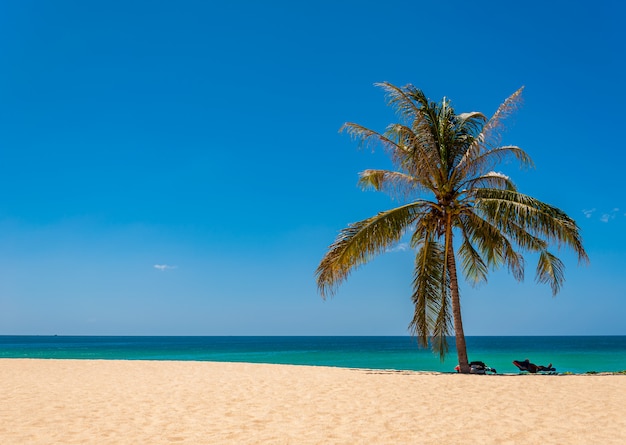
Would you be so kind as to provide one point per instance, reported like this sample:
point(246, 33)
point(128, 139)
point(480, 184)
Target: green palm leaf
point(360, 241)
point(550, 270)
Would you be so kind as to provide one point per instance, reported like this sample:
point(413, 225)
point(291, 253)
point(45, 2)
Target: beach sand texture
point(161, 402)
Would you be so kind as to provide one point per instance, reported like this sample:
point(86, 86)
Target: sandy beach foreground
point(160, 402)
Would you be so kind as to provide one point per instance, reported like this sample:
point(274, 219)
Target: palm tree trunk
point(459, 335)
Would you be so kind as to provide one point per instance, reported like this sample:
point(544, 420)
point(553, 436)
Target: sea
point(569, 354)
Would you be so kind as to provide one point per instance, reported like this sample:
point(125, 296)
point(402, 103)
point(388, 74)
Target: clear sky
point(175, 168)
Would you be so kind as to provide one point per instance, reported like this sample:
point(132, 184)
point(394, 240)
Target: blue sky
point(175, 168)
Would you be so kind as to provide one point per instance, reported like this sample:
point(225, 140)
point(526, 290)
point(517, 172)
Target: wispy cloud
point(163, 267)
point(402, 247)
point(589, 212)
point(606, 217)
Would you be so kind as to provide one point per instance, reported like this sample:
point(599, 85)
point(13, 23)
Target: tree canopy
point(455, 207)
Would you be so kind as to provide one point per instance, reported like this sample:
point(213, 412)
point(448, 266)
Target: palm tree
point(456, 206)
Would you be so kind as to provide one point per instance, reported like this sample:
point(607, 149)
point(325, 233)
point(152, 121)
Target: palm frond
point(359, 242)
point(485, 236)
point(492, 243)
point(532, 215)
point(474, 268)
point(490, 180)
point(490, 136)
point(417, 154)
point(461, 132)
point(367, 137)
point(472, 121)
point(427, 226)
point(518, 234)
point(427, 297)
point(406, 101)
point(442, 327)
point(407, 150)
point(390, 182)
point(492, 128)
point(489, 159)
point(550, 270)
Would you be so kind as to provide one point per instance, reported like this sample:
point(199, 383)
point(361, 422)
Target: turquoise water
point(567, 354)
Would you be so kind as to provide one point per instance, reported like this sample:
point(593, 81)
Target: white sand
point(144, 402)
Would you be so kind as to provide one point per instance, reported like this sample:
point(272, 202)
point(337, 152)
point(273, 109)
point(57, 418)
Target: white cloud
point(588, 212)
point(402, 247)
point(606, 217)
point(163, 267)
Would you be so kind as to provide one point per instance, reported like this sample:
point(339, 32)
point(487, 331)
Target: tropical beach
point(161, 402)
point(316, 222)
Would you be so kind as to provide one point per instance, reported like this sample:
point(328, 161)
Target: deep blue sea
point(567, 354)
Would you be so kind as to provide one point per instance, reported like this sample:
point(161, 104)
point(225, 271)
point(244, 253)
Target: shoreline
point(351, 368)
point(82, 401)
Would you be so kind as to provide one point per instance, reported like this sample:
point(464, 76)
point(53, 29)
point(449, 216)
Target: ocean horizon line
point(304, 335)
